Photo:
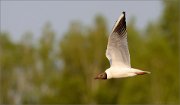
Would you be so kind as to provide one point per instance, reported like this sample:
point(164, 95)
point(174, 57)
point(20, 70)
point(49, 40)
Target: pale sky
point(18, 17)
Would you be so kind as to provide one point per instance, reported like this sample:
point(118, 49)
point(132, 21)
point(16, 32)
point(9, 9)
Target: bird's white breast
point(118, 72)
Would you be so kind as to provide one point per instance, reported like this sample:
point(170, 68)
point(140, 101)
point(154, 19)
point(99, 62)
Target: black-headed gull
point(118, 54)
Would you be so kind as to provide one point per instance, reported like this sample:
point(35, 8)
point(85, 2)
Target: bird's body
point(120, 72)
point(117, 72)
point(118, 53)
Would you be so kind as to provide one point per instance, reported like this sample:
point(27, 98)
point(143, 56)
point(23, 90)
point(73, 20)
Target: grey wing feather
point(117, 50)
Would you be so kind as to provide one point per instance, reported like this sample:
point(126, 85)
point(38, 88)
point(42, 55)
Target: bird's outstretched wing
point(117, 49)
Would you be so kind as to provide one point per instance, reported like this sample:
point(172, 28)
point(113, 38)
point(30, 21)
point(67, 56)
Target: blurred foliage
point(62, 72)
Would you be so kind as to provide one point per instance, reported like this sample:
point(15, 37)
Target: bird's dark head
point(101, 76)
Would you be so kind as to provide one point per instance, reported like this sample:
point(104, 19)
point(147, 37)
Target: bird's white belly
point(116, 72)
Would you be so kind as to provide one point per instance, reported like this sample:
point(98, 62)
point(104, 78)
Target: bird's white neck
point(109, 75)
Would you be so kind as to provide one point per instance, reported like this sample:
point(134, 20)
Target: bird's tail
point(147, 72)
point(141, 72)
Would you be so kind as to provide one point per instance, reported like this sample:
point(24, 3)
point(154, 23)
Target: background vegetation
point(61, 71)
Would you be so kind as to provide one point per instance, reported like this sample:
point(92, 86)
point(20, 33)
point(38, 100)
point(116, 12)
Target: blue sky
point(18, 17)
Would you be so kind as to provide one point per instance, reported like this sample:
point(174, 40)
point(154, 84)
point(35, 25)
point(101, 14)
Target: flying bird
point(118, 55)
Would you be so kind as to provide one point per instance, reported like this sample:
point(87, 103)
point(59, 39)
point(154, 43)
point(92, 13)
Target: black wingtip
point(121, 26)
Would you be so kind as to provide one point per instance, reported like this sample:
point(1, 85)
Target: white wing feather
point(117, 50)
